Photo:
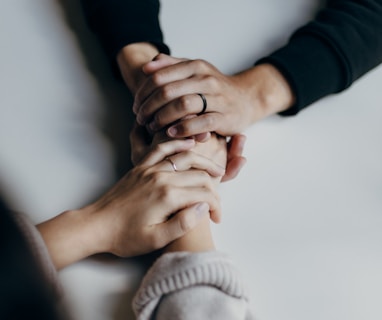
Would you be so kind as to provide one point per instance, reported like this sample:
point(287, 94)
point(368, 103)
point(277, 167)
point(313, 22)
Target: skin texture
point(123, 222)
point(132, 60)
point(151, 206)
point(168, 97)
point(199, 238)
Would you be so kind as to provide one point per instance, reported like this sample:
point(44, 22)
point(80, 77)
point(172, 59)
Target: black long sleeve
point(325, 56)
point(328, 54)
point(118, 23)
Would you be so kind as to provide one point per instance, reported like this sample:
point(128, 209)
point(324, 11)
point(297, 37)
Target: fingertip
point(243, 162)
point(215, 217)
point(234, 167)
point(172, 132)
point(135, 107)
point(242, 140)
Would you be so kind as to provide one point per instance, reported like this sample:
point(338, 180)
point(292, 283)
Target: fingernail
point(135, 106)
point(172, 131)
point(189, 141)
point(201, 210)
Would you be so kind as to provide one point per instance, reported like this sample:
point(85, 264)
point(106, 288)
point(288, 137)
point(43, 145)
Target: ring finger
point(191, 104)
point(190, 160)
point(172, 91)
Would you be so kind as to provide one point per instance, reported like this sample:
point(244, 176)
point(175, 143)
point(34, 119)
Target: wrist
point(198, 239)
point(71, 236)
point(268, 90)
point(131, 59)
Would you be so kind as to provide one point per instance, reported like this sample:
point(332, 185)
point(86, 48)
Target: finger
point(235, 161)
point(176, 72)
point(182, 222)
point(202, 137)
point(190, 104)
point(236, 145)
point(190, 160)
point(234, 166)
point(168, 92)
point(216, 215)
point(163, 150)
point(177, 198)
point(208, 122)
point(160, 61)
point(164, 174)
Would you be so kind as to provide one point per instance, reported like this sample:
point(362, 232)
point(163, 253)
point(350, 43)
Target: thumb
point(160, 61)
point(184, 221)
point(233, 168)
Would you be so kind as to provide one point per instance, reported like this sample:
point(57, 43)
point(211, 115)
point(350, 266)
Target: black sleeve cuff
point(118, 23)
point(311, 68)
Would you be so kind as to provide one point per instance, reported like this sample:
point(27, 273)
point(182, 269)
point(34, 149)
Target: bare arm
point(148, 208)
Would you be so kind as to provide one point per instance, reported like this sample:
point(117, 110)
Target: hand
point(169, 95)
point(148, 208)
point(153, 205)
point(141, 143)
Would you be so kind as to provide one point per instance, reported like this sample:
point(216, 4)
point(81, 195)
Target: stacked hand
point(184, 107)
point(148, 208)
point(170, 93)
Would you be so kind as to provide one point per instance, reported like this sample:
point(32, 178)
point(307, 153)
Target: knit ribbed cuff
point(180, 270)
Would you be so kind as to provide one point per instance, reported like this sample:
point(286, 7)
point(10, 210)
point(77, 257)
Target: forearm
point(329, 53)
point(71, 236)
point(268, 90)
point(130, 60)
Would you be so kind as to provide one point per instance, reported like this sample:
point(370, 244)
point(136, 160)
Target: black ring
point(204, 103)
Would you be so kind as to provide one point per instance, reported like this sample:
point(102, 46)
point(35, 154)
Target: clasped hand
point(153, 204)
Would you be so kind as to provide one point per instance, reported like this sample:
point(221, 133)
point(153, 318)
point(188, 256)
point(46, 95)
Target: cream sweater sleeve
point(185, 285)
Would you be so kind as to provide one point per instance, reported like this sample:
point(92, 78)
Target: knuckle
point(212, 82)
point(189, 155)
point(201, 65)
point(184, 104)
point(157, 79)
point(165, 194)
point(158, 179)
point(167, 92)
point(160, 118)
point(139, 173)
point(159, 148)
point(185, 224)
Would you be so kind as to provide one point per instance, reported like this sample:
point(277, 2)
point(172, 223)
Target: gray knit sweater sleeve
point(185, 285)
